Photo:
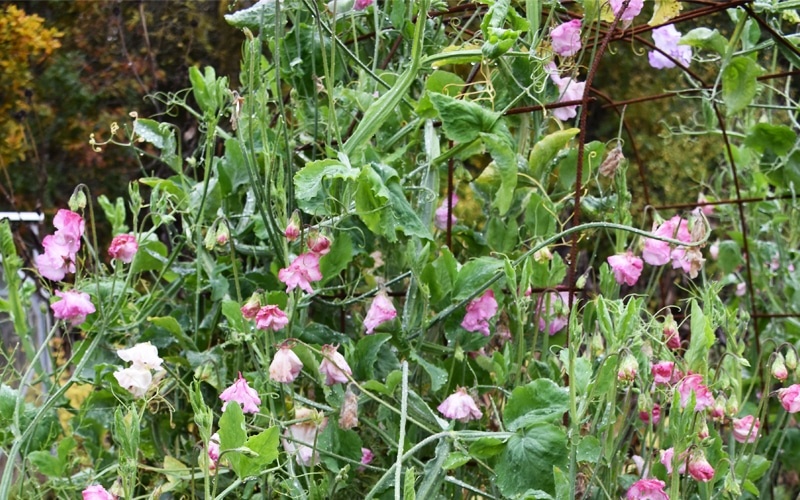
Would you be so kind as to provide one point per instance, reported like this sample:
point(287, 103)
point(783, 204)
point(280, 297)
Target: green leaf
point(408, 485)
point(455, 460)
point(487, 447)
point(232, 434)
point(162, 136)
point(739, 83)
point(562, 484)
point(701, 341)
point(438, 375)
point(474, 275)
point(339, 257)
point(705, 38)
point(261, 14)
point(593, 155)
point(546, 149)
point(440, 275)
point(589, 449)
point(171, 325)
point(342, 442)
point(730, 256)
point(540, 401)
point(233, 313)
point(366, 353)
point(506, 161)
point(529, 458)
point(765, 136)
point(313, 183)
point(151, 256)
point(463, 121)
point(756, 466)
point(540, 216)
point(47, 464)
point(265, 445)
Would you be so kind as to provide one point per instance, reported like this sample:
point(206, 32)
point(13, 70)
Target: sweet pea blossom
point(271, 318)
point(694, 383)
point(292, 231)
point(626, 267)
point(460, 406)
point(213, 447)
point(666, 39)
point(123, 247)
point(778, 368)
point(657, 252)
point(319, 244)
point(134, 379)
point(243, 394)
point(671, 336)
point(57, 260)
point(566, 38)
point(790, 398)
point(301, 272)
point(479, 312)
point(97, 492)
point(300, 439)
point(654, 414)
point(569, 90)
point(664, 372)
point(555, 318)
point(362, 4)
point(440, 216)
point(633, 10)
point(745, 429)
point(70, 226)
point(142, 355)
point(380, 311)
point(367, 456)
point(74, 306)
point(334, 366)
point(647, 489)
point(285, 366)
point(699, 468)
point(251, 307)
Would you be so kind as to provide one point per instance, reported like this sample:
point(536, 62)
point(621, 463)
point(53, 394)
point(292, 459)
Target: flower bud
point(627, 368)
point(223, 234)
point(292, 231)
point(543, 255)
point(78, 200)
point(251, 307)
point(732, 406)
point(791, 360)
point(779, 370)
point(319, 244)
point(671, 335)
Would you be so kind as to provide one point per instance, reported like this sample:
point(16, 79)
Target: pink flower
point(701, 198)
point(300, 439)
point(666, 459)
point(713, 250)
point(699, 468)
point(647, 489)
point(666, 39)
point(556, 314)
point(319, 244)
point(367, 456)
point(790, 398)
point(301, 272)
point(654, 414)
point(251, 307)
point(741, 289)
point(658, 253)
point(779, 370)
point(123, 247)
point(143, 355)
point(134, 379)
point(479, 312)
point(626, 267)
point(285, 366)
point(694, 383)
point(70, 226)
point(569, 90)
point(292, 231)
point(380, 311)
point(362, 4)
point(74, 306)
point(440, 217)
point(57, 259)
point(213, 447)
point(566, 38)
point(97, 492)
point(460, 406)
point(633, 10)
point(671, 335)
point(664, 372)
point(334, 366)
point(241, 393)
point(271, 317)
point(745, 430)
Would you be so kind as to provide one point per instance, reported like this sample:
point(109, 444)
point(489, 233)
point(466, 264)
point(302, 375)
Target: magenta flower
point(626, 267)
point(647, 489)
point(285, 366)
point(271, 318)
point(460, 406)
point(654, 414)
point(251, 307)
point(556, 314)
point(694, 383)
point(633, 10)
point(241, 393)
point(74, 306)
point(319, 244)
point(367, 456)
point(440, 216)
point(666, 39)
point(664, 372)
point(569, 90)
point(134, 379)
point(143, 355)
point(57, 259)
point(790, 398)
point(70, 226)
point(123, 247)
point(213, 448)
point(745, 429)
point(479, 312)
point(97, 492)
point(362, 4)
point(301, 272)
point(334, 366)
point(380, 311)
point(566, 38)
point(699, 468)
point(300, 439)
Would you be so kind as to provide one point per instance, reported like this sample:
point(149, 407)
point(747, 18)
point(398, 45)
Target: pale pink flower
point(271, 318)
point(479, 312)
point(626, 267)
point(334, 366)
point(123, 247)
point(70, 226)
point(440, 216)
point(134, 379)
point(741, 289)
point(240, 392)
point(367, 456)
point(380, 311)
point(97, 492)
point(658, 253)
point(699, 468)
point(713, 250)
point(460, 406)
point(362, 4)
point(285, 366)
point(301, 272)
point(664, 372)
point(142, 355)
point(251, 307)
point(74, 306)
point(569, 90)
point(666, 459)
point(57, 259)
point(745, 429)
point(694, 383)
point(633, 10)
point(300, 439)
point(647, 489)
point(213, 447)
point(790, 398)
point(566, 38)
point(701, 198)
point(555, 318)
point(319, 244)
point(666, 39)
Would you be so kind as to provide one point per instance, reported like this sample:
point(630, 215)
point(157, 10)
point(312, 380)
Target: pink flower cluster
point(479, 312)
point(566, 38)
point(74, 306)
point(61, 247)
point(97, 492)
